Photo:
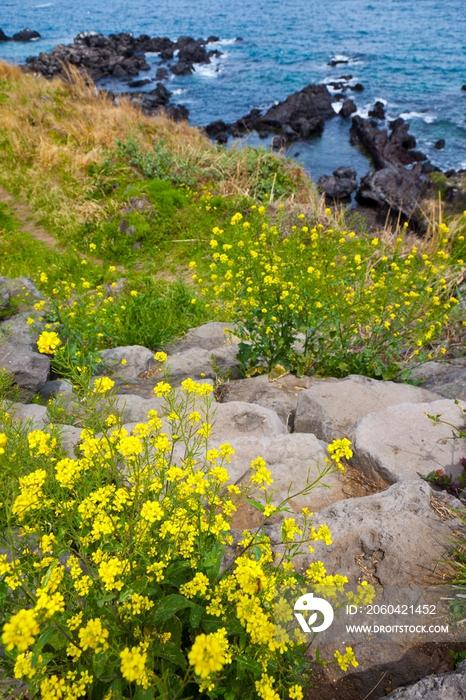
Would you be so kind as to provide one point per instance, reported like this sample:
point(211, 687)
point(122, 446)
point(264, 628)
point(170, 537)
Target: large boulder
point(198, 364)
point(395, 537)
point(329, 410)
point(298, 117)
point(30, 369)
point(280, 395)
point(394, 188)
point(340, 185)
point(126, 361)
point(208, 337)
point(26, 35)
point(395, 540)
point(16, 329)
point(398, 443)
point(291, 459)
point(446, 686)
point(447, 378)
point(237, 419)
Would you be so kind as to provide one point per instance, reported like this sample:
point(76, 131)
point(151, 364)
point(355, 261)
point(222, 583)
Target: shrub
point(115, 584)
point(324, 301)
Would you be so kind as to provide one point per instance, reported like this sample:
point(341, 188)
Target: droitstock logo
point(307, 603)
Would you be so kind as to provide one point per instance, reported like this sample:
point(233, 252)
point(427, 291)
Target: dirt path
point(25, 216)
point(26, 219)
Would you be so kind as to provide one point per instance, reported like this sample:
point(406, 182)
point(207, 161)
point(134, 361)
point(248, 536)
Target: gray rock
point(237, 419)
point(396, 535)
point(17, 330)
point(195, 363)
point(55, 387)
point(134, 409)
point(340, 185)
point(24, 288)
point(33, 413)
point(329, 410)
point(225, 362)
point(447, 378)
point(447, 686)
point(398, 442)
point(208, 336)
point(138, 360)
point(281, 395)
point(291, 459)
point(30, 369)
point(70, 437)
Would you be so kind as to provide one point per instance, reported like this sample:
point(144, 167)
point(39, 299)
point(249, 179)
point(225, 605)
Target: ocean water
point(409, 53)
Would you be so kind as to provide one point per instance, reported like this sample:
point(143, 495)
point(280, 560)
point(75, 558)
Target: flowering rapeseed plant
point(318, 300)
point(114, 583)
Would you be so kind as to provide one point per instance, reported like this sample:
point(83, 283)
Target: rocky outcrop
point(445, 686)
point(300, 116)
point(340, 185)
point(118, 55)
point(24, 35)
point(347, 109)
point(391, 186)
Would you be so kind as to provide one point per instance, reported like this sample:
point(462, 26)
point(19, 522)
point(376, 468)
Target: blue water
point(409, 53)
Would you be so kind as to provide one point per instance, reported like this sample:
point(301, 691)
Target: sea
point(408, 54)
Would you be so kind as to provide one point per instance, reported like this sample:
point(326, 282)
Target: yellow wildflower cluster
point(354, 303)
point(127, 544)
point(48, 342)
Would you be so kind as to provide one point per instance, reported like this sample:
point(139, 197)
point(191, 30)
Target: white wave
point(337, 106)
point(208, 70)
point(44, 4)
point(223, 42)
point(428, 118)
point(381, 99)
point(179, 91)
point(340, 57)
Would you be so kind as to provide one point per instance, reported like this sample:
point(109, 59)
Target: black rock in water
point(439, 144)
point(4, 37)
point(299, 116)
point(26, 35)
point(340, 185)
point(378, 111)
point(347, 109)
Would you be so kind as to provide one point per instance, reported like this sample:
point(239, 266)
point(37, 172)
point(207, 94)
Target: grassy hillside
point(94, 192)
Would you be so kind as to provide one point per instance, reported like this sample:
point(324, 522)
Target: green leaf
point(171, 652)
point(243, 664)
point(41, 642)
point(197, 611)
point(177, 573)
point(174, 626)
point(99, 663)
point(144, 694)
point(169, 606)
point(256, 504)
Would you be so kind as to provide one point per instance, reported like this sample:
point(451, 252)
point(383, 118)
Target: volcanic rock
point(340, 185)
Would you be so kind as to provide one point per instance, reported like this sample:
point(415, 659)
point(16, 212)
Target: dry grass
point(51, 132)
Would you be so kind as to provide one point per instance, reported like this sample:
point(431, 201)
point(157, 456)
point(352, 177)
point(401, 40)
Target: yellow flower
point(345, 660)
point(151, 511)
point(162, 389)
point(48, 342)
point(209, 653)
point(3, 441)
point(103, 384)
point(161, 356)
point(93, 636)
point(133, 665)
point(21, 631)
